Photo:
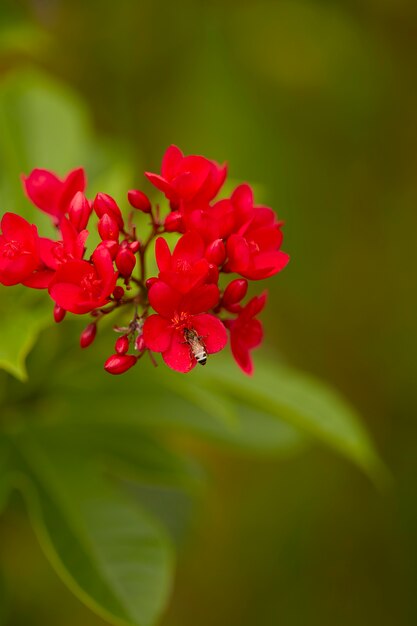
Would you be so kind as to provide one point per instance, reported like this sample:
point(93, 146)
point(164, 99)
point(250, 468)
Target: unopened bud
point(88, 335)
point(110, 245)
point(120, 363)
point(235, 292)
point(138, 200)
point(79, 211)
point(104, 204)
point(216, 252)
point(118, 292)
point(134, 246)
point(108, 228)
point(125, 262)
point(59, 313)
point(213, 274)
point(173, 222)
point(122, 345)
point(140, 343)
point(151, 281)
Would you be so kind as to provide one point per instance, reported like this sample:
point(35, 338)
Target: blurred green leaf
point(4, 603)
point(5, 485)
point(115, 557)
point(23, 314)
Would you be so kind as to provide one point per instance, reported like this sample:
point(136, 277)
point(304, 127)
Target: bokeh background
point(314, 102)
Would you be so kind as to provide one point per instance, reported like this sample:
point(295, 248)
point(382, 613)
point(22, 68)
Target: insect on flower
point(197, 347)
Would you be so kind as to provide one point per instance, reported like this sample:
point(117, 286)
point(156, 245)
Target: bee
point(197, 347)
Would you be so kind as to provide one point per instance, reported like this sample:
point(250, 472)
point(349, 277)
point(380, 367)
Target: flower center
point(11, 249)
point(91, 287)
point(180, 320)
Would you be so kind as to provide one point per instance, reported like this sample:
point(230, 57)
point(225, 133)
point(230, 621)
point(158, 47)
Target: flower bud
point(140, 343)
point(59, 313)
point(104, 204)
point(88, 335)
point(173, 223)
point(111, 246)
point(213, 274)
point(134, 246)
point(216, 252)
point(118, 292)
point(108, 228)
point(119, 363)
point(235, 292)
point(122, 344)
point(151, 281)
point(138, 200)
point(125, 262)
point(79, 211)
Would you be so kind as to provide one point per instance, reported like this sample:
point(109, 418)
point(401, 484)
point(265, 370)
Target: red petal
point(201, 299)
point(17, 228)
point(42, 188)
point(190, 247)
point(164, 299)
point(75, 181)
point(162, 254)
point(161, 184)
point(157, 333)
point(171, 162)
point(238, 251)
point(266, 264)
point(212, 331)
point(66, 295)
point(178, 356)
point(39, 280)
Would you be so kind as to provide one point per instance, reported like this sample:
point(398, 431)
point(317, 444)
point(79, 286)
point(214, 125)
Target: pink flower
point(80, 287)
point(190, 178)
point(180, 317)
point(51, 194)
point(19, 249)
point(246, 332)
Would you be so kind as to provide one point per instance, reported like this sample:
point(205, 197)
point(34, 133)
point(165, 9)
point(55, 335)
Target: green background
point(315, 104)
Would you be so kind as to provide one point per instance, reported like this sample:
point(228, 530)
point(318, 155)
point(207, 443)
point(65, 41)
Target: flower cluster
point(183, 312)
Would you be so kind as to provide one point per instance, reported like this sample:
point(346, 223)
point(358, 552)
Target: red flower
point(246, 332)
point(70, 248)
point(80, 287)
point(190, 178)
point(186, 268)
point(19, 249)
point(52, 194)
point(167, 333)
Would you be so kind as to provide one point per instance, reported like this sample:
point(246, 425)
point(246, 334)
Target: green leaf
point(112, 554)
point(24, 313)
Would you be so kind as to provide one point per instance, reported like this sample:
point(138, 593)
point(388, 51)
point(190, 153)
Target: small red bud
point(119, 363)
point(216, 252)
point(140, 343)
point(111, 246)
point(118, 292)
point(134, 246)
point(88, 335)
point(103, 203)
point(108, 228)
point(79, 211)
point(59, 313)
point(138, 200)
point(235, 292)
point(151, 281)
point(122, 345)
point(173, 223)
point(125, 262)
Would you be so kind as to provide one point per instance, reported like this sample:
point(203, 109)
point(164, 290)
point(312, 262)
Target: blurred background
point(314, 102)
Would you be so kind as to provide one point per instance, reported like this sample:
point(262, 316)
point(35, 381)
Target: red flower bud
point(119, 363)
point(173, 223)
point(134, 246)
point(139, 343)
point(213, 274)
point(108, 228)
point(111, 246)
point(88, 335)
point(151, 281)
point(59, 313)
point(216, 252)
point(79, 211)
point(122, 344)
point(125, 262)
point(118, 292)
point(235, 292)
point(104, 204)
point(138, 200)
